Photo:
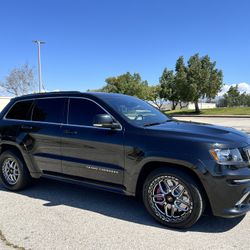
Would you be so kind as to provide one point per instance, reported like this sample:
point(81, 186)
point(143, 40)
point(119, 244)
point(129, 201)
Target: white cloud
point(243, 87)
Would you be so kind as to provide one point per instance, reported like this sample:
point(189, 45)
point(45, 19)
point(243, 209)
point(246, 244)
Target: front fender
point(137, 166)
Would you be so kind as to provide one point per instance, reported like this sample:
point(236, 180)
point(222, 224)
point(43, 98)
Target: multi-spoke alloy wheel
point(173, 198)
point(10, 171)
point(170, 199)
point(14, 174)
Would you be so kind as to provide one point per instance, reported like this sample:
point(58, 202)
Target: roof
point(67, 93)
point(6, 97)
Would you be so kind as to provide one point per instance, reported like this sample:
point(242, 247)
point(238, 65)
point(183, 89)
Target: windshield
point(136, 111)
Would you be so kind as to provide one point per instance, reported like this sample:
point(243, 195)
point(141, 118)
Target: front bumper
point(229, 198)
point(241, 207)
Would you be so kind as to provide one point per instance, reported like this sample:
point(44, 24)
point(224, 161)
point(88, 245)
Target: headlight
point(227, 156)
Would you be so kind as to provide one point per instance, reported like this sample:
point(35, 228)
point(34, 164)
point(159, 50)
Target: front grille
point(247, 153)
point(244, 200)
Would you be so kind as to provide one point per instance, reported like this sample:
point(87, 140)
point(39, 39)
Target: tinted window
point(82, 112)
point(20, 111)
point(48, 110)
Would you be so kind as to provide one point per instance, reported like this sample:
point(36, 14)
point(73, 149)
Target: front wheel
point(173, 198)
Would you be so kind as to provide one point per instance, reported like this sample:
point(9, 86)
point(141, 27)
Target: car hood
point(202, 132)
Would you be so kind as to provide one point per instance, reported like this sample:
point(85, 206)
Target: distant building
point(202, 105)
point(4, 101)
point(189, 106)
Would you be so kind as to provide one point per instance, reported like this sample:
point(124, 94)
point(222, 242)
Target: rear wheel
point(13, 171)
point(173, 198)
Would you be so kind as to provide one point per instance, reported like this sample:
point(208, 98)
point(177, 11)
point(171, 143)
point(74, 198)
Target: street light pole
point(38, 42)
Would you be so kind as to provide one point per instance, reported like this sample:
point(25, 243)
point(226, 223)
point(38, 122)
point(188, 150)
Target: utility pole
point(38, 42)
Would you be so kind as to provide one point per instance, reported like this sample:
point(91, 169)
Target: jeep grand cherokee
point(122, 144)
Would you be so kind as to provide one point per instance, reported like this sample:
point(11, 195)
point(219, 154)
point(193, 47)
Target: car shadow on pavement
point(113, 205)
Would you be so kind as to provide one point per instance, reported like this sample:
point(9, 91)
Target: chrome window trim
point(62, 124)
point(30, 121)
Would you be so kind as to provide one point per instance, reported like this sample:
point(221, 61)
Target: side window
point(49, 110)
point(20, 111)
point(82, 112)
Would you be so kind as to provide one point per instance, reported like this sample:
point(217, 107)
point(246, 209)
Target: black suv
point(122, 144)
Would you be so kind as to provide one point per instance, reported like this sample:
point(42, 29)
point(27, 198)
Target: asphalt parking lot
point(235, 122)
point(56, 215)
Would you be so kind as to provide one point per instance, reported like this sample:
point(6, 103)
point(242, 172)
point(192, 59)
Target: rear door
point(91, 152)
point(44, 133)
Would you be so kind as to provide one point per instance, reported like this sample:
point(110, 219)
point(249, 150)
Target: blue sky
point(88, 41)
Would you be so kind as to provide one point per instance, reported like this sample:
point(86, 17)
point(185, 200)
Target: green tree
point(248, 101)
point(154, 95)
point(221, 102)
point(199, 79)
point(244, 99)
point(169, 90)
point(233, 97)
point(181, 83)
point(203, 79)
point(129, 84)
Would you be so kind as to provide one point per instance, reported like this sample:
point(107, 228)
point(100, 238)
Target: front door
point(91, 152)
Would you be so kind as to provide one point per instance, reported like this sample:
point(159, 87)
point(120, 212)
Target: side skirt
point(114, 188)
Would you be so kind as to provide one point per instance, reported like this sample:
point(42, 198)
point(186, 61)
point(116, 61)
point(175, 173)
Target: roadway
point(55, 215)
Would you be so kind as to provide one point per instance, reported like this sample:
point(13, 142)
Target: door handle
point(70, 132)
point(26, 127)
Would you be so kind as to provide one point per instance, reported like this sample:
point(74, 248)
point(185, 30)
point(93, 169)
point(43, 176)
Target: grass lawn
point(215, 111)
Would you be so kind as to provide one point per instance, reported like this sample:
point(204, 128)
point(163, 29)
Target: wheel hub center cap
point(169, 198)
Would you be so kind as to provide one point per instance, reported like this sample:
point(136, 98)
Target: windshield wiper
point(154, 123)
point(151, 124)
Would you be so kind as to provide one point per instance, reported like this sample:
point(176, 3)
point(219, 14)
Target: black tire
point(14, 163)
point(163, 204)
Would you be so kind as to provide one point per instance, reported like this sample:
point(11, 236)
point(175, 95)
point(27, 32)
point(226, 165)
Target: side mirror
point(105, 121)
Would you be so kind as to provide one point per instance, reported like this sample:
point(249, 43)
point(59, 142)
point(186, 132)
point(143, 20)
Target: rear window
point(20, 111)
point(49, 110)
